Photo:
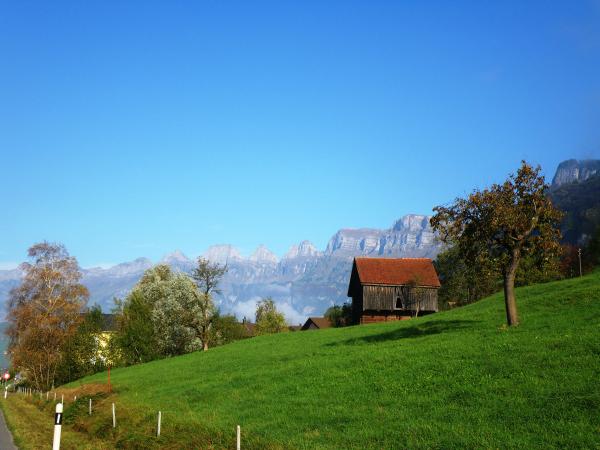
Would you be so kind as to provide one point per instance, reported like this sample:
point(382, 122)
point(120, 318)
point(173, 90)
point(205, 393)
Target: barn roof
point(396, 271)
point(320, 322)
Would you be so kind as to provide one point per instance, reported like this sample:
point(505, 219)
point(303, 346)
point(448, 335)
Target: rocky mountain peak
point(175, 257)
point(263, 255)
point(222, 253)
point(125, 269)
point(573, 170)
point(412, 222)
point(350, 242)
point(304, 249)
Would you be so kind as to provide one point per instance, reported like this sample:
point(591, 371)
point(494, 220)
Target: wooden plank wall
point(383, 298)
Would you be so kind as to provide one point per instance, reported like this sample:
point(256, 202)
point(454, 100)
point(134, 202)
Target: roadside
point(6, 439)
point(32, 427)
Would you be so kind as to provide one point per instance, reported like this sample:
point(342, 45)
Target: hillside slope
point(453, 379)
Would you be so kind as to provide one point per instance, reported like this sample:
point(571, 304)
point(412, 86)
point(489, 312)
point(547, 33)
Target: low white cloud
point(245, 309)
point(8, 265)
point(292, 316)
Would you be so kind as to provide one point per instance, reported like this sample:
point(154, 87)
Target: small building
point(384, 289)
point(316, 323)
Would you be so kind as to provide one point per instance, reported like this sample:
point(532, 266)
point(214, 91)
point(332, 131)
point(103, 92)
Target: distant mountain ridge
point(576, 191)
point(304, 281)
point(573, 171)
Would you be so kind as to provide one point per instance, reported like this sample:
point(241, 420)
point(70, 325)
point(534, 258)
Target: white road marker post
point(47, 394)
point(57, 426)
point(238, 444)
point(5, 392)
point(114, 416)
point(90, 409)
point(54, 395)
point(62, 398)
point(158, 428)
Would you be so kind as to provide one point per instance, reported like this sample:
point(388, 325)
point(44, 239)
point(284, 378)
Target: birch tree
point(44, 312)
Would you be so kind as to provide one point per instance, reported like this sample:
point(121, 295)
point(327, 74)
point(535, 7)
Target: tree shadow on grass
point(418, 330)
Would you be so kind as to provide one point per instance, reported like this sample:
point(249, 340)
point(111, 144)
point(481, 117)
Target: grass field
point(451, 380)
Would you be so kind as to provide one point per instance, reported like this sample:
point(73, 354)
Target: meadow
point(456, 379)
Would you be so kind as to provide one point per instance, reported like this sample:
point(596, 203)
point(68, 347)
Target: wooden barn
point(385, 289)
point(316, 323)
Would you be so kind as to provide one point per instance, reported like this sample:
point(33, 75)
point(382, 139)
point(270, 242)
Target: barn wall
point(383, 298)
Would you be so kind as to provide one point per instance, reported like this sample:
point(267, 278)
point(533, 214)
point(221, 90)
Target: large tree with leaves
point(207, 276)
point(44, 312)
point(502, 224)
point(268, 319)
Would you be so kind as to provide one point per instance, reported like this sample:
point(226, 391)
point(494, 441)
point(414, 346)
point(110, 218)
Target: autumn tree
point(268, 319)
point(44, 312)
point(501, 225)
point(207, 276)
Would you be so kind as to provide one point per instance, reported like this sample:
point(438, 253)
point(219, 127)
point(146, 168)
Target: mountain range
point(307, 280)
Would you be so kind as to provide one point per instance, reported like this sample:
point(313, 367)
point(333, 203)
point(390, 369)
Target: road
point(6, 440)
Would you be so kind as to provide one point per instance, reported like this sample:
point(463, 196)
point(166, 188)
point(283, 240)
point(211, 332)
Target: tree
point(227, 329)
point(175, 314)
point(339, 316)
point(159, 317)
point(135, 340)
point(501, 225)
point(268, 319)
point(415, 292)
point(44, 312)
point(82, 352)
point(207, 276)
point(463, 282)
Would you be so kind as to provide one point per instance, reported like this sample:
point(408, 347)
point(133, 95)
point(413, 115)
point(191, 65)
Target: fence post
point(114, 416)
point(238, 444)
point(5, 392)
point(90, 406)
point(57, 426)
point(158, 429)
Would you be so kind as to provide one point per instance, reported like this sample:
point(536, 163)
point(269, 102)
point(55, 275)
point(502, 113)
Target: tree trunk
point(205, 345)
point(509, 289)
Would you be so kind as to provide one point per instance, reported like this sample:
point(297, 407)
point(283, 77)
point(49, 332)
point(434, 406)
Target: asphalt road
point(6, 440)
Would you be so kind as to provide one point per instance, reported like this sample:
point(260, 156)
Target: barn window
point(398, 303)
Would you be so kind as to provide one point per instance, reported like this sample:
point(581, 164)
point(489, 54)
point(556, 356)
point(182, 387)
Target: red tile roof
point(397, 271)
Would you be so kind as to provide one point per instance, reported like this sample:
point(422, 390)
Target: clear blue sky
point(136, 128)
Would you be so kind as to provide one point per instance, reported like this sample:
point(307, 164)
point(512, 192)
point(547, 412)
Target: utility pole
point(579, 254)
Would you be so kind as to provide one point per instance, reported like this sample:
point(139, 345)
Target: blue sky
point(136, 128)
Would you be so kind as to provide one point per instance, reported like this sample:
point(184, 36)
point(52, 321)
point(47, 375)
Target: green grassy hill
point(449, 380)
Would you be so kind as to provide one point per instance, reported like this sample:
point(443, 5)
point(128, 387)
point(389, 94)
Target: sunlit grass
point(450, 380)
